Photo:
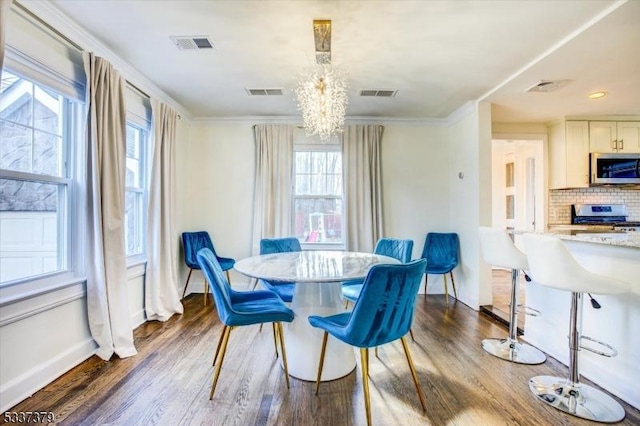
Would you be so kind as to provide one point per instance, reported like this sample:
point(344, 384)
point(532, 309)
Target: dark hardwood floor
point(168, 382)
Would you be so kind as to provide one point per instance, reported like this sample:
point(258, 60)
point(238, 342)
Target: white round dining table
point(318, 276)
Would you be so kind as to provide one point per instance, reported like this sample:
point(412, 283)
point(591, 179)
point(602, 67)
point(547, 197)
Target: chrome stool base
point(577, 399)
point(514, 351)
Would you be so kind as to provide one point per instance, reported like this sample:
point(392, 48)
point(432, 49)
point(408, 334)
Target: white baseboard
point(138, 318)
point(22, 387)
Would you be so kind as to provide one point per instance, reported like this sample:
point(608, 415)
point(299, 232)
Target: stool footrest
point(609, 354)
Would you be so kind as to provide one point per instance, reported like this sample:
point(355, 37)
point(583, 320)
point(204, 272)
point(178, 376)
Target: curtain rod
point(71, 42)
point(49, 27)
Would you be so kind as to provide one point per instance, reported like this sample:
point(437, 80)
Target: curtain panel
point(107, 298)
point(362, 186)
point(272, 196)
point(161, 292)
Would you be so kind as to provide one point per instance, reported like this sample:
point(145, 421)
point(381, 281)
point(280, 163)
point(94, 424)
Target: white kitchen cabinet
point(614, 136)
point(569, 155)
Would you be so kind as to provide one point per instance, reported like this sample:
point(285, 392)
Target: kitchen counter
point(613, 238)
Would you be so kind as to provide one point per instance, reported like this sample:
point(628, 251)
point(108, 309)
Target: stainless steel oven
point(615, 169)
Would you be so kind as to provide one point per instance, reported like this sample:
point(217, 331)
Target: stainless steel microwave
point(607, 169)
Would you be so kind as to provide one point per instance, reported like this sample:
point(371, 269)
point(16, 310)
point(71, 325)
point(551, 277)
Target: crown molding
point(78, 35)
point(297, 121)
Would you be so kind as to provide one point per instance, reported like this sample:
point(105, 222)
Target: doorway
point(518, 205)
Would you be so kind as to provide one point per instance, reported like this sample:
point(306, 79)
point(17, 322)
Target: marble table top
point(311, 266)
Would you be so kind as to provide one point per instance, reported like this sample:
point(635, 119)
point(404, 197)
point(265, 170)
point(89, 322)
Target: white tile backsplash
point(560, 201)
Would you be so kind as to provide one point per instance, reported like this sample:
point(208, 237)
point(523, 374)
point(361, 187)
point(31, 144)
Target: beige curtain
point(107, 298)
point(272, 197)
point(161, 295)
point(5, 6)
point(362, 186)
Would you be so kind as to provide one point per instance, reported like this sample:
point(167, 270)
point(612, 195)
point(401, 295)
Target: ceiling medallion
point(322, 91)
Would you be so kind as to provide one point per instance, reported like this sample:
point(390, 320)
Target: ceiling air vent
point(545, 86)
point(192, 42)
point(264, 92)
point(384, 93)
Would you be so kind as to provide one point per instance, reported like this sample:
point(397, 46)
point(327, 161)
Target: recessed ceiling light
point(597, 95)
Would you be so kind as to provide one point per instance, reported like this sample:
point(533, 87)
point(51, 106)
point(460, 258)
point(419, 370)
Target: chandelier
point(322, 91)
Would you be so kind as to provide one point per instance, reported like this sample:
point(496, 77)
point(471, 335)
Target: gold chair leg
point(321, 364)
point(206, 291)
point(255, 283)
point(453, 283)
point(187, 283)
point(446, 289)
point(284, 353)
point(215, 356)
point(346, 303)
point(376, 351)
point(413, 373)
point(364, 359)
point(275, 337)
point(223, 349)
point(228, 277)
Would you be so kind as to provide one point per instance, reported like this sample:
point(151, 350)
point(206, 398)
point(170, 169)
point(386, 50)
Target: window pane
point(16, 102)
point(29, 234)
point(46, 157)
point(303, 162)
point(15, 147)
point(133, 222)
point(47, 111)
point(318, 220)
point(134, 178)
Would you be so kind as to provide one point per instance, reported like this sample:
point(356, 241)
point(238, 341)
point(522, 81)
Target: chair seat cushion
point(283, 290)
point(226, 263)
point(255, 307)
point(439, 269)
point(351, 292)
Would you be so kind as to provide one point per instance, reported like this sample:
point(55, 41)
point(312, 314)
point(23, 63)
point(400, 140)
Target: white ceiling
point(437, 54)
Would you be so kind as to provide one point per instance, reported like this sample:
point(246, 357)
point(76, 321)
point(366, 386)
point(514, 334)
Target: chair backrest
point(384, 310)
point(398, 249)
point(192, 242)
point(441, 249)
point(498, 249)
point(220, 288)
point(279, 245)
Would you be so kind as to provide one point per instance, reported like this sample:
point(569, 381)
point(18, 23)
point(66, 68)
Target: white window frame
point(70, 227)
point(317, 147)
point(142, 196)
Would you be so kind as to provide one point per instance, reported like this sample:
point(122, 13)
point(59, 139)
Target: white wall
point(220, 162)
point(470, 200)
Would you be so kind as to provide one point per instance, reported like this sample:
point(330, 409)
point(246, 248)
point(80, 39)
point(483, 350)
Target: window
point(135, 192)
point(36, 185)
point(317, 199)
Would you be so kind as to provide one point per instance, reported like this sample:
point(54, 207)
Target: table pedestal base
point(303, 342)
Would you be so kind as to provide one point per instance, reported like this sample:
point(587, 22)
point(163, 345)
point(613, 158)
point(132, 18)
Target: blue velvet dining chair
point(398, 249)
point(192, 242)
point(383, 313)
point(441, 252)
point(280, 245)
point(236, 309)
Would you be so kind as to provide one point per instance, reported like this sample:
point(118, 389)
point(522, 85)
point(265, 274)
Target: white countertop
point(620, 239)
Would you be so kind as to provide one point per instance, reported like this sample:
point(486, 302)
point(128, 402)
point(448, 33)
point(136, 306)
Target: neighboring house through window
point(35, 180)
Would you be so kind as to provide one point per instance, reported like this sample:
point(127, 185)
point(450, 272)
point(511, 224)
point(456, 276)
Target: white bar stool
point(499, 250)
point(552, 265)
